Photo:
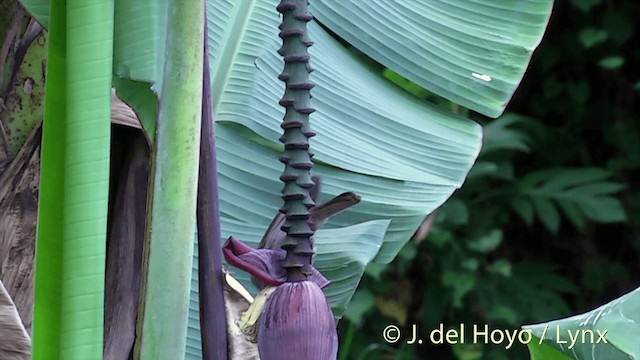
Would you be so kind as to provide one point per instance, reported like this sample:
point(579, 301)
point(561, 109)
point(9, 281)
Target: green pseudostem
point(296, 155)
point(74, 183)
point(163, 314)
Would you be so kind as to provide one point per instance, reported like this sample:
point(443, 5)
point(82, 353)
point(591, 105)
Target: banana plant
point(402, 156)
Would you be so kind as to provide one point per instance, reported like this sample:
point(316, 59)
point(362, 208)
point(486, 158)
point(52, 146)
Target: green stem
point(74, 183)
point(296, 156)
point(346, 343)
point(163, 314)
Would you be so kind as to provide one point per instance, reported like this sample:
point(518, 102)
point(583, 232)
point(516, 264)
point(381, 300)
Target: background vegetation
point(547, 224)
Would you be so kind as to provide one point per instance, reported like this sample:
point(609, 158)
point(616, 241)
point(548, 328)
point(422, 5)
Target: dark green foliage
point(547, 224)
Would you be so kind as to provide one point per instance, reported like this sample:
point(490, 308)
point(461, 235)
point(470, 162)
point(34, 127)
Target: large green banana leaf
point(473, 52)
point(609, 332)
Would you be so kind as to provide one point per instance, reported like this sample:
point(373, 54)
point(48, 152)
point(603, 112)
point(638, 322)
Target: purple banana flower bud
point(297, 323)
